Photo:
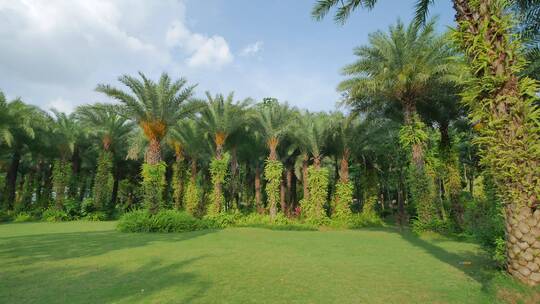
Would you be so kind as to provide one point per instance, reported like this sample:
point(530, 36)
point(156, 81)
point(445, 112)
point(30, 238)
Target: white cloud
point(203, 51)
point(252, 49)
point(61, 105)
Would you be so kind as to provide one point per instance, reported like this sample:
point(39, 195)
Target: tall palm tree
point(274, 121)
point(18, 122)
point(112, 130)
point(398, 66)
point(503, 105)
point(220, 118)
point(153, 106)
point(189, 134)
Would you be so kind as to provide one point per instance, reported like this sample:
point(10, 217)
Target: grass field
point(89, 262)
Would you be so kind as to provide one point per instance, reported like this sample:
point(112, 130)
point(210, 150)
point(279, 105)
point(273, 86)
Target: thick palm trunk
point(344, 166)
point(258, 200)
point(282, 194)
point(507, 127)
point(11, 180)
point(305, 177)
point(116, 181)
point(153, 153)
point(409, 113)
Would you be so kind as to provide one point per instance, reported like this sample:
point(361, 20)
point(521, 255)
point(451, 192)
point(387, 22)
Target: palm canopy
point(190, 135)
point(67, 131)
point(274, 121)
point(104, 121)
point(398, 66)
point(18, 120)
point(346, 7)
point(312, 134)
point(221, 117)
point(155, 106)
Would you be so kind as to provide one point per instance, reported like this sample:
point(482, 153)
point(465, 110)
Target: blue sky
point(53, 53)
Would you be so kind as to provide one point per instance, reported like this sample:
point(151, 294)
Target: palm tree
point(112, 130)
point(18, 122)
point(220, 118)
point(400, 66)
point(312, 134)
point(190, 136)
point(502, 103)
point(342, 130)
point(153, 106)
point(274, 121)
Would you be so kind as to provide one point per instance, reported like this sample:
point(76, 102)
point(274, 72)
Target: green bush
point(192, 198)
point(96, 216)
point(72, 208)
point(23, 217)
point(280, 222)
point(435, 225)
point(218, 174)
point(364, 219)
point(272, 173)
point(103, 182)
point(55, 215)
point(163, 221)
point(224, 219)
point(5, 216)
point(342, 200)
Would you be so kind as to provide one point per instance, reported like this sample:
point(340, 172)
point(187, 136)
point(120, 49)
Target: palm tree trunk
point(409, 113)
point(304, 176)
point(506, 127)
point(153, 153)
point(116, 181)
point(258, 200)
point(344, 166)
point(11, 180)
point(283, 192)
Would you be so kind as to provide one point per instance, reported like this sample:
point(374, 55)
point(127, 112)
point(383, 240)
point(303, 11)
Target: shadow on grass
point(151, 282)
point(477, 265)
point(28, 277)
point(57, 246)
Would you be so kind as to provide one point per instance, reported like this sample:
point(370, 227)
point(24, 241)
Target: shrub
point(280, 222)
point(72, 208)
point(224, 219)
point(96, 216)
point(435, 225)
point(55, 215)
point(5, 216)
point(365, 219)
point(23, 217)
point(163, 221)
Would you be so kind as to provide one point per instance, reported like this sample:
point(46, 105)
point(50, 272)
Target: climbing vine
point(273, 171)
point(218, 173)
point(103, 181)
point(153, 184)
point(61, 176)
point(178, 180)
point(313, 206)
point(343, 197)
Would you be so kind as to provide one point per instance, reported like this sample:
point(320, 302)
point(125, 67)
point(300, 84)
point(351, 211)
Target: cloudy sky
point(54, 52)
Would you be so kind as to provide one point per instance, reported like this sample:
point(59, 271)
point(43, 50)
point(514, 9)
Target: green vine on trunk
point(342, 199)
point(61, 176)
point(218, 174)
point(103, 181)
point(273, 171)
point(313, 206)
point(178, 179)
point(153, 184)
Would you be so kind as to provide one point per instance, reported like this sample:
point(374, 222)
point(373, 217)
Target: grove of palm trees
point(422, 186)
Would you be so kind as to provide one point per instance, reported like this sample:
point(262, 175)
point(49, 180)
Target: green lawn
point(89, 262)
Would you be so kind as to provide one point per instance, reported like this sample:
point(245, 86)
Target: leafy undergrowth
point(178, 221)
point(90, 262)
